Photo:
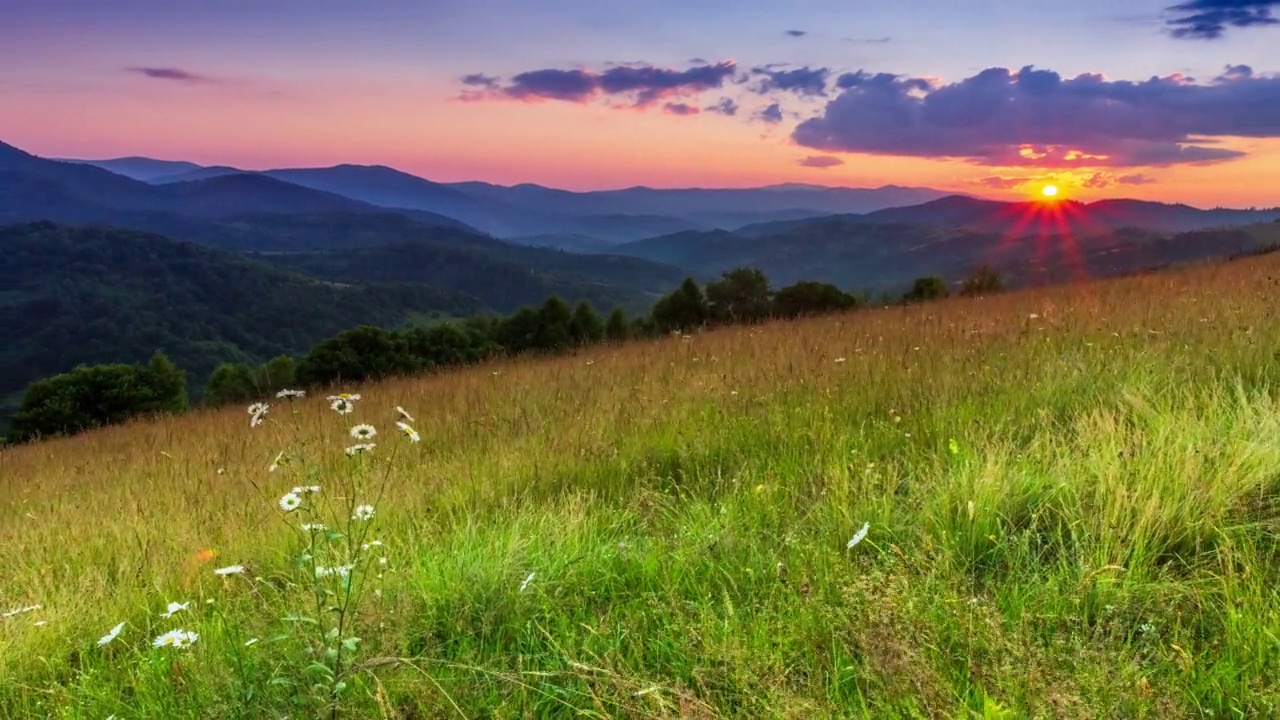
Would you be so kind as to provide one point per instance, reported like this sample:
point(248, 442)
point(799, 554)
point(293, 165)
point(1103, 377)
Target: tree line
point(92, 396)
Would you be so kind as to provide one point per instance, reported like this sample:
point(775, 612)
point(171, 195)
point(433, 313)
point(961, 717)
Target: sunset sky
point(1157, 101)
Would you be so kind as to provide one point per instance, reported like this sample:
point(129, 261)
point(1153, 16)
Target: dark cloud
point(726, 106)
point(645, 83)
point(1209, 19)
point(803, 81)
point(797, 33)
point(1037, 118)
point(480, 80)
point(175, 74)
point(771, 114)
point(820, 161)
point(681, 109)
point(870, 41)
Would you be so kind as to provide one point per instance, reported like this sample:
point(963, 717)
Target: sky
point(1156, 100)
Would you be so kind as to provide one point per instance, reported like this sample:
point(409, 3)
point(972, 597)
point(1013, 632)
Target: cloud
point(771, 114)
point(802, 81)
point(1107, 180)
point(726, 106)
point(870, 41)
point(820, 161)
point(645, 84)
point(1209, 19)
point(681, 109)
point(1000, 182)
point(175, 74)
point(797, 33)
point(1034, 117)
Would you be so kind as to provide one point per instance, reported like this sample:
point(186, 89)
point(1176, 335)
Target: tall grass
point(1072, 497)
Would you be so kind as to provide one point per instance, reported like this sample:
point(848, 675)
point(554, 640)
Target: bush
point(811, 298)
point(740, 296)
point(982, 281)
point(684, 309)
point(618, 327)
point(93, 396)
point(927, 288)
point(585, 327)
point(362, 353)
point(230, 383)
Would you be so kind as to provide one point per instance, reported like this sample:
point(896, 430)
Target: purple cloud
point(802, 81)
point(646, 83)
point(726, 106)
point(681, 109)
point(1000, 182)
point(175, 74)
point(771, 114)
point(797, 33)
point(1037, 118)
point(820, 161)
point(1209, 19)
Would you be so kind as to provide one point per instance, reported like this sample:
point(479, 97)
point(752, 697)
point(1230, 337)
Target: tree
point(741, 295)
point(982, 281)
point(352, 355)
point(166, 385)
point(684, 309)
point(230, 383)
point(519, 333)
point(618, 327)
point(553, 324)
point(927, 288)
point(278, 373)
point(586, 327)
point(811, 298)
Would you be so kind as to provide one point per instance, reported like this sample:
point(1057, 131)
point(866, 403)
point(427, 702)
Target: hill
point(141, 168)
point(1052, 502)
point(86, 295)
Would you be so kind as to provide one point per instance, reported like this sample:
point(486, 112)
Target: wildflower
point(229, 570)
point(360, 448)
point(363, 512)
point(259, 408)
point(352, 397)
point(409, 432)
point(290, 502)
point(115, 632)
point(173, 608)
point(291, 394)
point(375, 543)
point(254, 422)
point(340, 571)
point(305, 489)
point(312, 527)
point(41, 623)
point(404, 414)
point(526, 582)
point(382, 561)
point(840, 360)
point(858, 536)
point(363, 431)
point(176, 639)
point(342, 406)
point(275, 464)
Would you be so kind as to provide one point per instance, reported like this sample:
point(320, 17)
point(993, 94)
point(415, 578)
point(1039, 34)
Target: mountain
point(852, 253)
point(91, 295)
point(141, 168)
point(198, 173)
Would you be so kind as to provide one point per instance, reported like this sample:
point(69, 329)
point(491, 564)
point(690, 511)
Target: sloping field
point(1069, 496)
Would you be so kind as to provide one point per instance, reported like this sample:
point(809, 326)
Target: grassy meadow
point(1070, 497)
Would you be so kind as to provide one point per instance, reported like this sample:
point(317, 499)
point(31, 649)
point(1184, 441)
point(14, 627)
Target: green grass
point(1099, 541)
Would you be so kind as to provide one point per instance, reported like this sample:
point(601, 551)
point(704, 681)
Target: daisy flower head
point(229, 570)
point(363, 512)
point(290, 502)
point(115, 632)
point(313, 527)
point(360, 448)
point(176, 639)
point(342, 406)
point(345, 396)
point(409, 432)
point(305, 489)
point(363, 431)
point(259, 408)
point(291, 394)
point(404, 414)
point(174, 608)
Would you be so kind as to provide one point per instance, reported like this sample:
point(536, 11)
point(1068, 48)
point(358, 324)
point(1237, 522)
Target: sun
point(1049, 191)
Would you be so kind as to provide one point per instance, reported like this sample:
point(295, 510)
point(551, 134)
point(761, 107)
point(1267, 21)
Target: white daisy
point(363, 431)
point(313, 527)
point(229, 570)
point(115, 632)
point(290, 502)
point(176, 639)
point(342, 406)
point(305, 489)
point(259, 408)
point(173, 608)
point(409, 432)
point(363, 512)
point(404, 414)
point(257, 420)
point(291, 394)
point(375, 543)
point(345, 396)
point(858, 536)
point(360, 448)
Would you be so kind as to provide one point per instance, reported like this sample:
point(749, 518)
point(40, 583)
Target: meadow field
point(1069, 498)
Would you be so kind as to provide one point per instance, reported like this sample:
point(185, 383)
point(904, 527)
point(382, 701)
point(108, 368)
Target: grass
point(1072, 496)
